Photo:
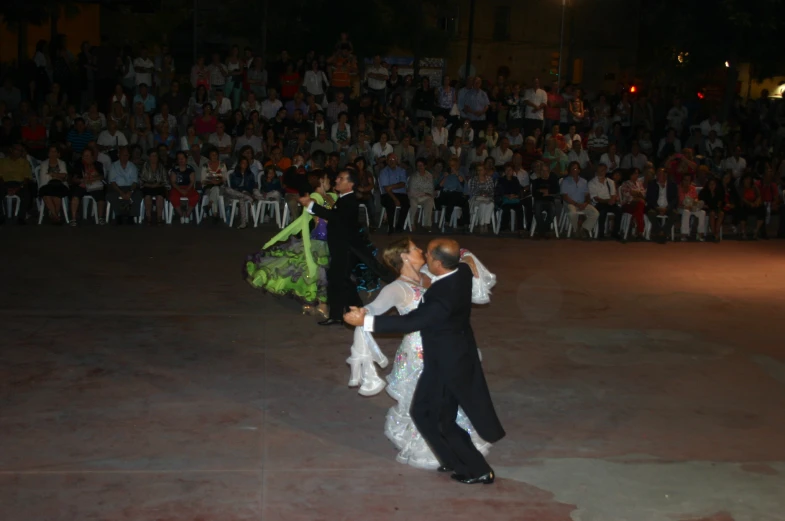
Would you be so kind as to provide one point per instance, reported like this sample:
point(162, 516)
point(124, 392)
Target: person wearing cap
point(392, 185)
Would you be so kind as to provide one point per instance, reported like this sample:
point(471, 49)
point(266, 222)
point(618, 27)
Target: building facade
point(522, 40)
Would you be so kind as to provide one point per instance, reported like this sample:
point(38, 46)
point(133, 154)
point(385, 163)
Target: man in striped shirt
point(78, 137)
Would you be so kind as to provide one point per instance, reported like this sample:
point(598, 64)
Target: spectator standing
point(257, 79)
point(553, 109)
point(235, 70)
point(315, 82)
point(474, 104)
point(376, 76)
point(536, 102)
point(218, 74)
point(143, 68)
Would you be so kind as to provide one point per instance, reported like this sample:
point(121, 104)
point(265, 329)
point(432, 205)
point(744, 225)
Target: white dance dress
point(405, 296)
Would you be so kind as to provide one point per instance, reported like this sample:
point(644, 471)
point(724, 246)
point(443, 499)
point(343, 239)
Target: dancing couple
point(444, 417)
point(323, 257)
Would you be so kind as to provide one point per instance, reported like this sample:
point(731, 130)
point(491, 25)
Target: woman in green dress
point(294, 262)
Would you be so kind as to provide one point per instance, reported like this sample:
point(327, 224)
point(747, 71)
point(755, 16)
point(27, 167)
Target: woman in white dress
point(405, 294)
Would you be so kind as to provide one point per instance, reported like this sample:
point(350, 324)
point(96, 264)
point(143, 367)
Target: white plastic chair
point(9, 205)
point(367, 217)
point(286, 215)
point(395, 217)
point(494, 220)
point(407, 224)
point(86, 200)
point(663, 218)
point(263, 207)
point(233, 211)
point(566, 223)
point(554, 226)
point(455, 214)
point(206, 202)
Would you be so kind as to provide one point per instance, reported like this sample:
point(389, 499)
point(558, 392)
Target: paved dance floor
point(142, 379)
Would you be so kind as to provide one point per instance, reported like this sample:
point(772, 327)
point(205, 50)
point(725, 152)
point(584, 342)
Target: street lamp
point(561, 40)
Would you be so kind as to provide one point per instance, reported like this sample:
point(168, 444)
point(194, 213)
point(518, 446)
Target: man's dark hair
point(334, 155)
point(351, 175)
point(318, 158)
point(448, 259)
point(77, 120)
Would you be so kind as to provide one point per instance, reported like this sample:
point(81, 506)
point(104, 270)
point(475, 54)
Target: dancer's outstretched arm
point(430, 311)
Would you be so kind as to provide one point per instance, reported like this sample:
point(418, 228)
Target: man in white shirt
point(376, 76)
point(736, 164)
point(222, 141)
point(249, 105)
point(515, 138)
point(271, 105)
point(165, 115)
point(196, 160)
point(536, 100)
point(635, 159)
point(707, 125)
point(222, 106)
point(502, 154)
point(713, 143)
point(677, 115)
point(111, 139)
point(144, 68)
point(577, 153)
point(249, 139)
point(439, 133)
point(602, 193)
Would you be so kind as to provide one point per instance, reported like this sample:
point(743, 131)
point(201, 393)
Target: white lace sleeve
point(392, 295)
point(364, 346)
point(482, 283)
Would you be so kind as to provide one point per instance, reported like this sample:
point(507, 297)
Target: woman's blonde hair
point(391, 256)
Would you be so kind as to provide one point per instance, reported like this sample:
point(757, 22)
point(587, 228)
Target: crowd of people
point(120, 129)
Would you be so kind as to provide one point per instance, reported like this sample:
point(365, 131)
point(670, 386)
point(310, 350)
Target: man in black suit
point(662, 198)
point(347, 246)
point(452, 374)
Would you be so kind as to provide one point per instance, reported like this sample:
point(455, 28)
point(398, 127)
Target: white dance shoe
point(372, 384)
point(363, 374)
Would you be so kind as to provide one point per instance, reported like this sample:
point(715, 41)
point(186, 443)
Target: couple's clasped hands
point(355, 317)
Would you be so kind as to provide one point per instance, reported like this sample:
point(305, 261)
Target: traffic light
point(554, 64)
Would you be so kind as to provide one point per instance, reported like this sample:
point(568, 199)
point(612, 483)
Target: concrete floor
point(142, 379)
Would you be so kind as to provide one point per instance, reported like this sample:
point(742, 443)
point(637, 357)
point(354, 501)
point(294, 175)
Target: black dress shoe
point(445, 468)
point(331, 322)
point(485, 479)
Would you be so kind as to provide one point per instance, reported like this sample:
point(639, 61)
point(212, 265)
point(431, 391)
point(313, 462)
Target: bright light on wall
point(727, 64)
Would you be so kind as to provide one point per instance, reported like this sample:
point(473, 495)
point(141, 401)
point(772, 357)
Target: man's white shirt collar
point(440, 277)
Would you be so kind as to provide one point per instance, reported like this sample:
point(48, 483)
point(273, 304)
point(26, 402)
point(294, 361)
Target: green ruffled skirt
point(281, 270)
